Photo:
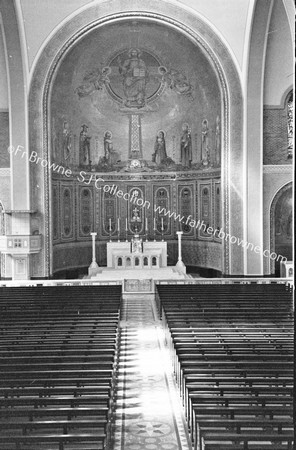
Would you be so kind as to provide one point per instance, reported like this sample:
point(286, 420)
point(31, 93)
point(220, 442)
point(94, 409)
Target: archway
point(281, 227)
point(197, 32)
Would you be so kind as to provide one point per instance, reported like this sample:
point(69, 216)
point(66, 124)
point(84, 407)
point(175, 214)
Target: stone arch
point(196, 30)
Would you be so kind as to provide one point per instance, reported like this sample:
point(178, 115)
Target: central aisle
point(148, 409)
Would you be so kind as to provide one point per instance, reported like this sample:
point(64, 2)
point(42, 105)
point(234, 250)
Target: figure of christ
point(135, 75)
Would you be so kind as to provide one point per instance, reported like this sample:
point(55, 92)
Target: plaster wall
point(278, 77)
point(3, 74)
point(42, 17)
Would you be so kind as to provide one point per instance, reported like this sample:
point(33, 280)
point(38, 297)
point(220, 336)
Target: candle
point(110, 225)
point(146, 224)
point(154, 224)
point(125, 224)
point(162, 224)
point(118, 224)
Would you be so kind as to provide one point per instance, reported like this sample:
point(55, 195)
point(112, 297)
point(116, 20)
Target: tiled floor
point(148, 409)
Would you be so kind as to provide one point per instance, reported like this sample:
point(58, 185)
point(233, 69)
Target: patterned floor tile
point(149, 412)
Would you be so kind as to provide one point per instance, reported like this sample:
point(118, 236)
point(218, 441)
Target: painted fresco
point(136, 96)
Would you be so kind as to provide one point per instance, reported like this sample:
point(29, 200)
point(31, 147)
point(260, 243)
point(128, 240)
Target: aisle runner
point(148, 409)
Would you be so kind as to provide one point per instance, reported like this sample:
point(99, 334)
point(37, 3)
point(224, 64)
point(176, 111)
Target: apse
point(137, 105)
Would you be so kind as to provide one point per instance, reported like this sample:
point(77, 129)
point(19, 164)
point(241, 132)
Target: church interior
point(146, 224)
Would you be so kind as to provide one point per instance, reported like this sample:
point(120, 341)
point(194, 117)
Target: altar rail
point(74, 282)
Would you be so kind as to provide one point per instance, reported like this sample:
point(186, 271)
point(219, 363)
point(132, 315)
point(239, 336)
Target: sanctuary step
point(157, 273)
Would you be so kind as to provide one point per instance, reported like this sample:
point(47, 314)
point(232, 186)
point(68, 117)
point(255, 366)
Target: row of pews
point(59, 355)
point(232, 352)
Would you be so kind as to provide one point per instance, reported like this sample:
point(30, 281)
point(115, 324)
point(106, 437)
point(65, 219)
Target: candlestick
point(92, 270)
point(146, 227)
point(110, 227)
point(162, 224)
point(125, 224)
point(154, 224)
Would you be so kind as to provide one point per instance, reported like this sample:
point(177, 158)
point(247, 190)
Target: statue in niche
point(66, 142)
point(160, 155)
point(111, 156)
point(134, 77)
point(186, 146)
point(205, 152)
point(218, 142)
point(176, 81)
point(84, 146)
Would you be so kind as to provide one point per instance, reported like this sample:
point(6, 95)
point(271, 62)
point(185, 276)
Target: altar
point(136, 254)
point(137, 263)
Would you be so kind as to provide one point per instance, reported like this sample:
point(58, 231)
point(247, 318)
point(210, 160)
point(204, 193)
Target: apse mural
point(136, 105)
point(149, 101)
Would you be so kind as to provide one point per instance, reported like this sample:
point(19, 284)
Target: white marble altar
point(136, 254)
point(138, 262)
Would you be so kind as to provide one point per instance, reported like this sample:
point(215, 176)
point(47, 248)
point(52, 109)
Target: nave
point(82, 368)
point(148, 409)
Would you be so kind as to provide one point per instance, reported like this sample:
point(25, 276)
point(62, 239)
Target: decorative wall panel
point(161, 206)
point(55, 212)
point(86, 211)
point(136, 212)
point(217, 208)
point(186, 208)
point(205, 210)
point(67, 210)
point(109, 214)
point(149, 199)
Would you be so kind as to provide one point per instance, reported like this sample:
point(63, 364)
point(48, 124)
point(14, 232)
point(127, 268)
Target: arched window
point(119, 262)
point(154, 261)
point(137, 262)
point(145, 261)
point(128, 262)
